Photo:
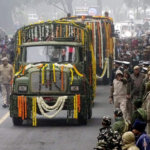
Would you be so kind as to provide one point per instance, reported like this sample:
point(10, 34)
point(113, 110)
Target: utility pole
point(99, 3)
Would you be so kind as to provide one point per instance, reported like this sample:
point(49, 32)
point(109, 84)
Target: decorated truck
point(103, 41)
point(54, 70)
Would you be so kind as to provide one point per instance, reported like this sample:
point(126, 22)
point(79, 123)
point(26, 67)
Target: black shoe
point(4, 105)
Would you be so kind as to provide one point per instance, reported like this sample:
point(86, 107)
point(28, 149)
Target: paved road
point(54, 134)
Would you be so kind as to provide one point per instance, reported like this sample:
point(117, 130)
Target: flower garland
point(75, 108)
point(58, 106)
point(71, 76)
point(102, 52)
point(19, 41)
point(54, 74)
point(43, 74)
point(94, 40)
point(34, 120)
point(99, 44)
point(22, 107)
point(104, 70)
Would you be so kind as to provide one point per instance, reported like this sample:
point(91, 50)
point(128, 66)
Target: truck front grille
point(49, 86)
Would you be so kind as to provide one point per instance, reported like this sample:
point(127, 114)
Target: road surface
point(55, 134)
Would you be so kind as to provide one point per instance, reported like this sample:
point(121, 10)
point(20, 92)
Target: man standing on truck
point(6, 73)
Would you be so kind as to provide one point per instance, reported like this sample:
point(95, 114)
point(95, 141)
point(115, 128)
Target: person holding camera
point(119, 93)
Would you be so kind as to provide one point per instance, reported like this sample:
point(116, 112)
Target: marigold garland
point(77, 72)
point(22, 107)
point(71, 76)
point(34, 120)
point(75, 108)
point(54, 74)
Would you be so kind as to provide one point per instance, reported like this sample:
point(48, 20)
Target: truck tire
point(90, 111)
point(82, 120)
point(17, 121)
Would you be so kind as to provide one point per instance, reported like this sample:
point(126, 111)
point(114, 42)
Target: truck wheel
point(82, 120)
point(90, 112)
point(17, 121)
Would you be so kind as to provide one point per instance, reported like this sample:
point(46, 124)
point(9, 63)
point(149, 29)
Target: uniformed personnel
point(118, 66)
point(6, 74)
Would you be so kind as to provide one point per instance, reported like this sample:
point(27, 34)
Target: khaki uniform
point(1, 57)
point(119, 93)
point(6, 73)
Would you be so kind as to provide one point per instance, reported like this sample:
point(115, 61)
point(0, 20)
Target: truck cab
point(54, 75)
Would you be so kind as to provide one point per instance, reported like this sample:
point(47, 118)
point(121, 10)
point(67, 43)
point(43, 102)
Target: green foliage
point(133, 3)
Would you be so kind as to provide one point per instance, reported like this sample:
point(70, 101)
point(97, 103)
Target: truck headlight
point(74, 88)
point(22, 88)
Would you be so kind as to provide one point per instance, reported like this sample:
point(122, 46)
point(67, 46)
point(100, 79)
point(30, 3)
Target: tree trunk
point(69, 6)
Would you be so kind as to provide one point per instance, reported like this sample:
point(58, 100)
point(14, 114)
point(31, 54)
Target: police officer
point(118, 66)
point(126, 66)
point(6, 73)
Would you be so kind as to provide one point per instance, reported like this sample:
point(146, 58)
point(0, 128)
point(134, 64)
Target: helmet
point(118, 112)
point(106, 120)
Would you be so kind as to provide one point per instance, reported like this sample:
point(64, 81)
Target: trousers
point(121, 102)
point(5, 93)
point(130, 108)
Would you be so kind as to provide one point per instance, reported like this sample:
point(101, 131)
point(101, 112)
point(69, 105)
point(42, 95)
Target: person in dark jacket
point(138, 79)
point(139, 112)
point(142, 139)
point(126, 66)
point(130, 91)
point(143, 86)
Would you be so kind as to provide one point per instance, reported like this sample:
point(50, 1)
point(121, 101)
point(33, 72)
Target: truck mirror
point(89, 56)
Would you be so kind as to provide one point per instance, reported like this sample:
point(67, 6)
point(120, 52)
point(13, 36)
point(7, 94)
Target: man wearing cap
point(142, 139)
point(126, 66)
point(118, 65)
point(118, 93)
point(6, 74)
point(138, 79)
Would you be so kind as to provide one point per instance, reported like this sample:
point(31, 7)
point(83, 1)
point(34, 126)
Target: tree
point(138, 3)
point(8, 6)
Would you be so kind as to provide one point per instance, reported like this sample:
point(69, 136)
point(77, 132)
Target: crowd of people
point(6, 47)
point(6, 68)
point(133, 49)
point(130, 94)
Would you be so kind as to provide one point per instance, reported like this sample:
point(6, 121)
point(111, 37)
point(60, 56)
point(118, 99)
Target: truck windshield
point(58, 54)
